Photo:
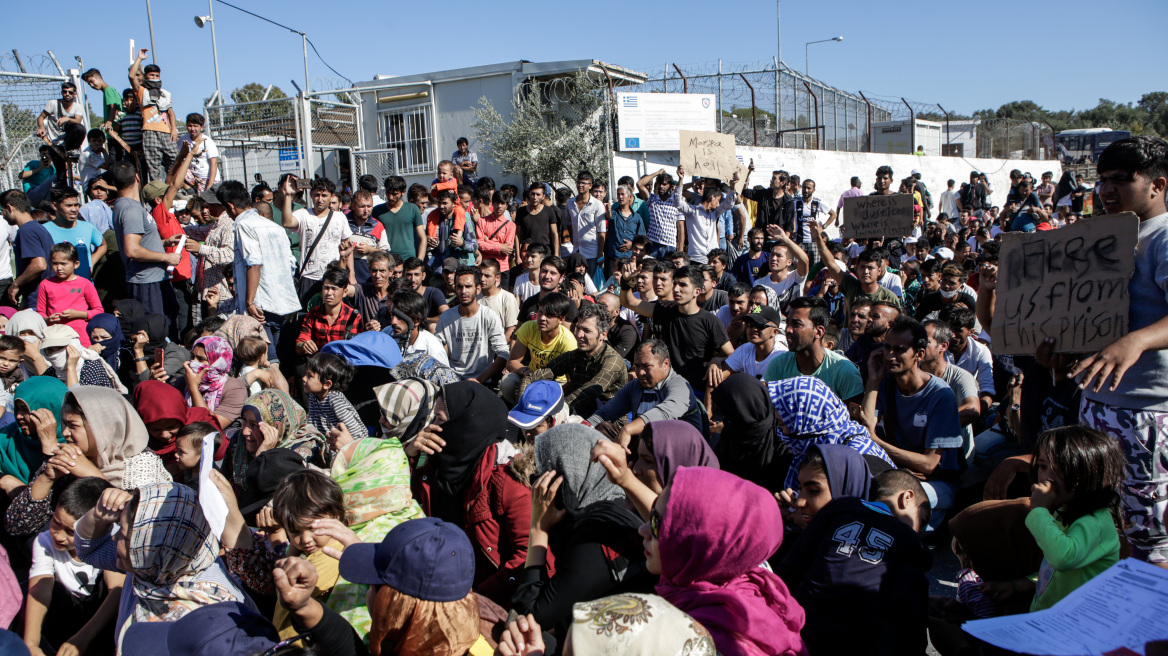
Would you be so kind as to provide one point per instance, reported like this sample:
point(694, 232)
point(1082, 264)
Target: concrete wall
point(832, 170)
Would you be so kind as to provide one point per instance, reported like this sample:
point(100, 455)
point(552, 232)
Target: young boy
point(204, 169)
point(126, 129)
point(445, 180)
point(111, 102)
point(326, 377)
point(94, 158)
point(189, 448)
point(543, 339)
point(525, 283)
point(11, 373)
point(858, 570)
point(79, 601)
point(332, 319)
point(159, 127)
point(252, 353)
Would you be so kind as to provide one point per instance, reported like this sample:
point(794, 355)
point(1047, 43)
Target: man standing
point(141, 247)
point(922, 430)
point(368, 234)
point(594, 372)
point(782, 281)
point(852, 192)
point(404, 228)
point(694, 335)
point(806, 324)
point(663, 216)
point(324, 234)
point(748, 268)
point(111, 99)
point(812, 209)
point(66, 228)
point(1126, 384)
point(159, 127)
point(263, 264)
point(31, 248)
point(918, 185)
point(586, 219)
point(948, 203)
point(775, 205)
point(537, 220)
point(473, 334)
point(700, 222)
point(466, 162)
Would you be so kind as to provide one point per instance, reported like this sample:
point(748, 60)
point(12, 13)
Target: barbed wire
point(35, 64)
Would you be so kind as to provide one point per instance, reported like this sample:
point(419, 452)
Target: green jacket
point(1071, 555)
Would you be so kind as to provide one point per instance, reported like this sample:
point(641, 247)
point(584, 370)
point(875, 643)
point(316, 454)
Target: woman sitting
point(707, 536)
point(208, 382)
point(103, 437)
point(749, 445)
point(466, 481)
point(28, 442)
point(105, 338)
point(270, 419)
point(164, 546)
point(589, 529)
point(164, 411)
point(74, 363)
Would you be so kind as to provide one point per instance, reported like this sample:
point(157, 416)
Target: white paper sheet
point(1124, 607)
point(182, 242)
point(210, 499)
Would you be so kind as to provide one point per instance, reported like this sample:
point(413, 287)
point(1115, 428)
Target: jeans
point(658, 251)
point(272, 325)
point(941, 496)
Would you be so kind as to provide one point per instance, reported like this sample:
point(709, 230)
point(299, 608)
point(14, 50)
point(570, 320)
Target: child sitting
point(1074, 509)
point(252, 352)
point(301, 499)
point(11, 373)
point(445, 180)
point(189, 449)
point(67, 298)
point(326, 378)
point(80, 601)
point(859, 571)
point(969, 586)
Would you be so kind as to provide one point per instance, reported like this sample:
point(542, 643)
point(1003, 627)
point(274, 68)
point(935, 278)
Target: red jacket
point(497, 509)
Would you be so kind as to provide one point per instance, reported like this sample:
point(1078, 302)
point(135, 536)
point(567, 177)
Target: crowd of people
point(660, 417)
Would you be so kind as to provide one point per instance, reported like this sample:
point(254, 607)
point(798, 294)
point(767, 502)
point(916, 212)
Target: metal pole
point(948, 139)
point(719, 104)
point(684, 81)
point(150, 20)
point(912, 120)
point(304, 42)
point(753, 108)
point(817, 125)
point(869, 104)
point(778, 33)
point(778, 106)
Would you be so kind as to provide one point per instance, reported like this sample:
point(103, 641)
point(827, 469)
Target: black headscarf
point(476, 420)
point(155, 326)
point(576, 259)
point(748, 446)
point(129, 312)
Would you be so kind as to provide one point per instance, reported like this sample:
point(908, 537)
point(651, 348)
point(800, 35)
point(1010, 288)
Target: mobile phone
point(302, 184)
point(159, 358)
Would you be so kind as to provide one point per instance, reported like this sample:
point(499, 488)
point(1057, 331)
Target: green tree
point(556, 128)
point(1156, 106)
point(253, 91)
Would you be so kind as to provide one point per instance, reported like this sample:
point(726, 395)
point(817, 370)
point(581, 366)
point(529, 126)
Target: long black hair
point(1091, 465)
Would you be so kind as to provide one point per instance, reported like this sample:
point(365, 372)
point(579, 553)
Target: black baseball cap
point(763, 315)
point(265, 473)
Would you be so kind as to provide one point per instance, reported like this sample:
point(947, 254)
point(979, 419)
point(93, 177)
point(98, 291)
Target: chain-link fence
point(765, 104)
point(257, 140)
point(26, 85)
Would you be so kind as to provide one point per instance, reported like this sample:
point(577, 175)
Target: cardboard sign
point(711, 155)
point(878, 216)
point(1070, 284)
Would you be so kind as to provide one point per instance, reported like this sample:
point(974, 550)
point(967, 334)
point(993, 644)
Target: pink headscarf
point(218, 368)
point(10, 596)
point(716, 532)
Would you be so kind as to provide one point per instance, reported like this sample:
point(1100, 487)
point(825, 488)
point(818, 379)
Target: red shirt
point(316, 327)
point(168, 226)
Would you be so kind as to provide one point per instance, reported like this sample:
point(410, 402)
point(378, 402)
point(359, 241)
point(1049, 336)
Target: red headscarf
point(716, 532)
point(156, 401)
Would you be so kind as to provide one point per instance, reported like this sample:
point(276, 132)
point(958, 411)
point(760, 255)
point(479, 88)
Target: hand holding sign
point(710, 155)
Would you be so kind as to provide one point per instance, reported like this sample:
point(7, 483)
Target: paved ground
point(943, 576)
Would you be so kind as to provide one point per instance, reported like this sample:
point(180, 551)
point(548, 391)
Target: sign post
point(1070, 284)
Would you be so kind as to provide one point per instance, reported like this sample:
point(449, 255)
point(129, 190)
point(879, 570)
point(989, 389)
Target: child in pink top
point(67, 298)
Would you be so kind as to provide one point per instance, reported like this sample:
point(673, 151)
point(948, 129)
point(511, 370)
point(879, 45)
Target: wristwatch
point(1015, 407)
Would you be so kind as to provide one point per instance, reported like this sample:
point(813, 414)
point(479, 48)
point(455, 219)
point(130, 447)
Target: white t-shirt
point(90, 163)
point(783, 287)
point(742, 360)
point(891, 282)
point(47, 560)
point(428, 343)
point(587, 226)
point(7, 234)
point(525, 287)
point(505, 305)
point(205, 151)
point(329, 247)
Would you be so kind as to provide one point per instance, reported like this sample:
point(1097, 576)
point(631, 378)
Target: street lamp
point(807, 53)
point(202, 21)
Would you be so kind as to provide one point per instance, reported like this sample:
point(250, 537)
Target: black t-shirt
point(537, 227)
point(693, 339)
point(932, 302)
point(859, 574)
point(529, 309)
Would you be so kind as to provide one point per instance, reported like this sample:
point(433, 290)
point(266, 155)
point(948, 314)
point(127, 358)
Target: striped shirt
point(332, 410)
point(131, 131)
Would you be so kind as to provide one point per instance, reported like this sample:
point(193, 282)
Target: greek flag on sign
point(630, 100)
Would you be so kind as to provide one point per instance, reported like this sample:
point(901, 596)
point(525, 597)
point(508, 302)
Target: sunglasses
point(655, 523)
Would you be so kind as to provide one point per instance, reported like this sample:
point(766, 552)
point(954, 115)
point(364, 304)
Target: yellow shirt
point(327, 572)
point(543, 353)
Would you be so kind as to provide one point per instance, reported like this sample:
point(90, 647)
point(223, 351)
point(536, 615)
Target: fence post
point(948, 139)
point(753, 108)
point(869, 130)
point(306, 146)
point(817, 125)
point(912, 119)
point(718, 104)
point(684, 81)
point(778, 107)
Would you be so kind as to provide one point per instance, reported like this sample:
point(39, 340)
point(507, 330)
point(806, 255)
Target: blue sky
point(965, 56)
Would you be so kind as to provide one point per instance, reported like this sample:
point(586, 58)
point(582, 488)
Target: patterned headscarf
point(408, 406)
point(170, 545)
point(240, 326)
point(637, 625)
point(218, 368)
point(278, 410)
point(813, 414)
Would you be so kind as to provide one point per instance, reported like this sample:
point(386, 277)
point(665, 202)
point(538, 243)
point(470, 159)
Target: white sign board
point(651, 121)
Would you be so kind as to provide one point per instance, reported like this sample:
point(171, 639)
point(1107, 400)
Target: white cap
point(910, 240)
point(943, 253)
point(915, 172)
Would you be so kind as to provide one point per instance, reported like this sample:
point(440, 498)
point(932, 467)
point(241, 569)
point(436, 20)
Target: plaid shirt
point(592, 380)
point(663, 218)
point(316, 327)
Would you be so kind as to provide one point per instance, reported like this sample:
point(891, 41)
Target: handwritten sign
point(711, 155)
point(878, 216)
point(1070, 284)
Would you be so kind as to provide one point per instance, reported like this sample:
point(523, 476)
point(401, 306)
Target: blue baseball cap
point(228, 627)
point(541, 399)
point(424, 558)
